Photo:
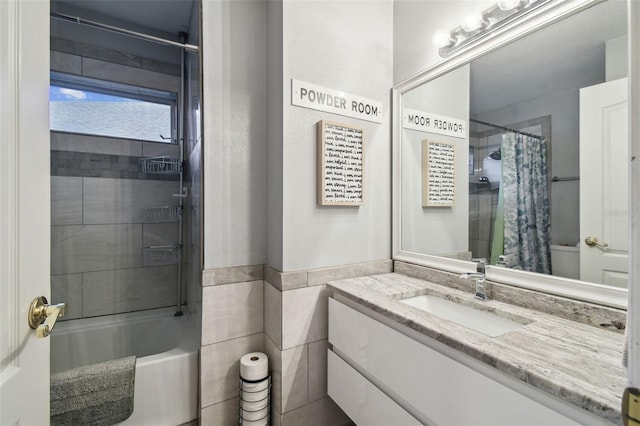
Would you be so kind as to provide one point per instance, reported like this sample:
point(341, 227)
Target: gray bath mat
point(98, 394)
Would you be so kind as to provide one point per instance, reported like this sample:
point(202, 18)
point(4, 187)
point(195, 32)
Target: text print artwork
point(340, 164)
point(438, 174)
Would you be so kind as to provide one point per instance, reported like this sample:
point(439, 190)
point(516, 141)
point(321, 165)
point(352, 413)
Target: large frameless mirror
point(519, 155)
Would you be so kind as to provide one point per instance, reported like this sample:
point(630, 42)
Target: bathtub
point(166, 347)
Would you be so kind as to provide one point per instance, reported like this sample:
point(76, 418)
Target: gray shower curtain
point(526, 202)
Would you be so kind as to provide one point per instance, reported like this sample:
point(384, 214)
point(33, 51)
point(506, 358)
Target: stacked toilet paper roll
point(254, 389)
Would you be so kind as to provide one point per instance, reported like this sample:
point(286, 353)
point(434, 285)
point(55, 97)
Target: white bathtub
point(166, 347)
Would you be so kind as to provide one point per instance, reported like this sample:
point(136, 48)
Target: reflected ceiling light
point(508, 4)
point(477, 25)
point(441, 38)
point(474, 22)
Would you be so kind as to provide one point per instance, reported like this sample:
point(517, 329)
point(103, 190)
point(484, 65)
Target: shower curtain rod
point(508, 129)
point(78, 20)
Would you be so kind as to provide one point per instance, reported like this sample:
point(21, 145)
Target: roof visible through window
point(77, 110)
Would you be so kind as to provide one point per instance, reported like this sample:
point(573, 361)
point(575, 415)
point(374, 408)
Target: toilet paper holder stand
point(253, 408)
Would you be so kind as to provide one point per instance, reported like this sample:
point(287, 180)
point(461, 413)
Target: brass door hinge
point(631, 407)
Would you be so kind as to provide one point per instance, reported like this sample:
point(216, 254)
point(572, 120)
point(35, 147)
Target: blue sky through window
point(57, 93)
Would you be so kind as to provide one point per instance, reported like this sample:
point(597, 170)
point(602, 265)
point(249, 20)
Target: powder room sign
point(438, 174)
point(312, 96)
point(340, 164)
point(433, 123)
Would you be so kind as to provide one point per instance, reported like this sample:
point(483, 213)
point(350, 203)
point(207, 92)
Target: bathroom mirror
point(539, 171)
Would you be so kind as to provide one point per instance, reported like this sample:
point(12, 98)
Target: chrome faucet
point(478, 277)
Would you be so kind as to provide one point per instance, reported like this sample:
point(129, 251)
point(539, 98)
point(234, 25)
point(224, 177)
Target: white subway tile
point(318, 370)
point(304, 315)
point(220, 367)
point(295, 376)
point(273, 313)
point(222, 413)
point(233, 310)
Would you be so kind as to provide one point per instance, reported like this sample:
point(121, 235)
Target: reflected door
point(604, 184)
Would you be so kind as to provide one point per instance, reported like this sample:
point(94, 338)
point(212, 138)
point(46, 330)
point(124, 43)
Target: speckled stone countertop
point(578, 363)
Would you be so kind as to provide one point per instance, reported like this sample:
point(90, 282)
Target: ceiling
point(165, 18)
point(563, 56)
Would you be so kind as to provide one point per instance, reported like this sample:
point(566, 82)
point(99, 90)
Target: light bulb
point(441, 38)
point(508, 4)
point(472, 22)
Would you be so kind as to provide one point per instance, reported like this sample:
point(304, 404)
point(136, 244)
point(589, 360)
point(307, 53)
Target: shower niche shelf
point(161, 255)
point(164, 164)
point(161, 214)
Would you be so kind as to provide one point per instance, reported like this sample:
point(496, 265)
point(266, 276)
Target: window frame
point(112, 88)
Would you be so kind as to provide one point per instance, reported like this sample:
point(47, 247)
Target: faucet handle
point(481, 263)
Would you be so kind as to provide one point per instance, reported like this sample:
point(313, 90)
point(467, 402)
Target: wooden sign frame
point(438, 174)
point(340, 164)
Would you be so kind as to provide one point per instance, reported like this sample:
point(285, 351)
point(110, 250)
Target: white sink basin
point(484, 322)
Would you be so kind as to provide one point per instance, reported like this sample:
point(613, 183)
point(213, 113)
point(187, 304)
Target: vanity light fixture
point(476, 25)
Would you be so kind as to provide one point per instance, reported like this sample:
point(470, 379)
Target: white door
point(604, 207)
point(24, 208)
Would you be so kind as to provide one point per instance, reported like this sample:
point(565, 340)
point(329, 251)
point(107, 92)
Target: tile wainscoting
point(284, 314)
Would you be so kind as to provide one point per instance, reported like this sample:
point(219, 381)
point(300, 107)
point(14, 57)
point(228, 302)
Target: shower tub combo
point(166, 350)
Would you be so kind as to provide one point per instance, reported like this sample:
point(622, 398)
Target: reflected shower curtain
point(526, 202)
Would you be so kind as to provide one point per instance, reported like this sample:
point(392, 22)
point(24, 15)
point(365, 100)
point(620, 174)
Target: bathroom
point(268, 248)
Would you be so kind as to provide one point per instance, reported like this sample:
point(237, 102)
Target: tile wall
point(482, 199)
point(97, 196)
point(232, 325)
point(284, 314)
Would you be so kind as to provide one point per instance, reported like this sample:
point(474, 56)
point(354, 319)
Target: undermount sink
point(485, 322)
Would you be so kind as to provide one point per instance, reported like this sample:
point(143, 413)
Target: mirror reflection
point(539, 172)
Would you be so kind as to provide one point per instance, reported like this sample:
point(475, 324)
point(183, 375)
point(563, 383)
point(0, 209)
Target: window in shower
point(95, 107)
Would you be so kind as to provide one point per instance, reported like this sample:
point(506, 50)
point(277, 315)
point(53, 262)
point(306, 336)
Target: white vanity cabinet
point(380, 376)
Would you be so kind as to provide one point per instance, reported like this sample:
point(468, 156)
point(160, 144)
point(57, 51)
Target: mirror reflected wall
point(534, 173)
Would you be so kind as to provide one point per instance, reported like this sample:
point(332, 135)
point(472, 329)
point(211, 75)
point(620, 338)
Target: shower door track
point(78, 20)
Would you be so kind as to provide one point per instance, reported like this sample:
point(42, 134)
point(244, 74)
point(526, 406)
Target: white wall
point(617, 61)
point(415, 24)
point(260, 152)
point(436, 230)
point(343, 45)
point(233, 56)
point(275, 107)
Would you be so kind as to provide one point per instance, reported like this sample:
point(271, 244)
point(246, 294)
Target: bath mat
point(97, 395)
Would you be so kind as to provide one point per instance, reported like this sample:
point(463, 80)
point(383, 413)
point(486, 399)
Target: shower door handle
point(43, 317)
point(593, 242)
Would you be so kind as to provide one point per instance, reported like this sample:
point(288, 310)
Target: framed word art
point(438, 174)
point(340, 164)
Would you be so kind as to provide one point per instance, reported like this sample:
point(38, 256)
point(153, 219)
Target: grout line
point(229, 340)
point(82, 199)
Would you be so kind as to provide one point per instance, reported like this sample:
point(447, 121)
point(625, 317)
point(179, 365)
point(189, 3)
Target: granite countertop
point(578, 363)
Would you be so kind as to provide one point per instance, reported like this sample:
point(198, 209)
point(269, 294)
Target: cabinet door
point(432, 386)
point(364, 403)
